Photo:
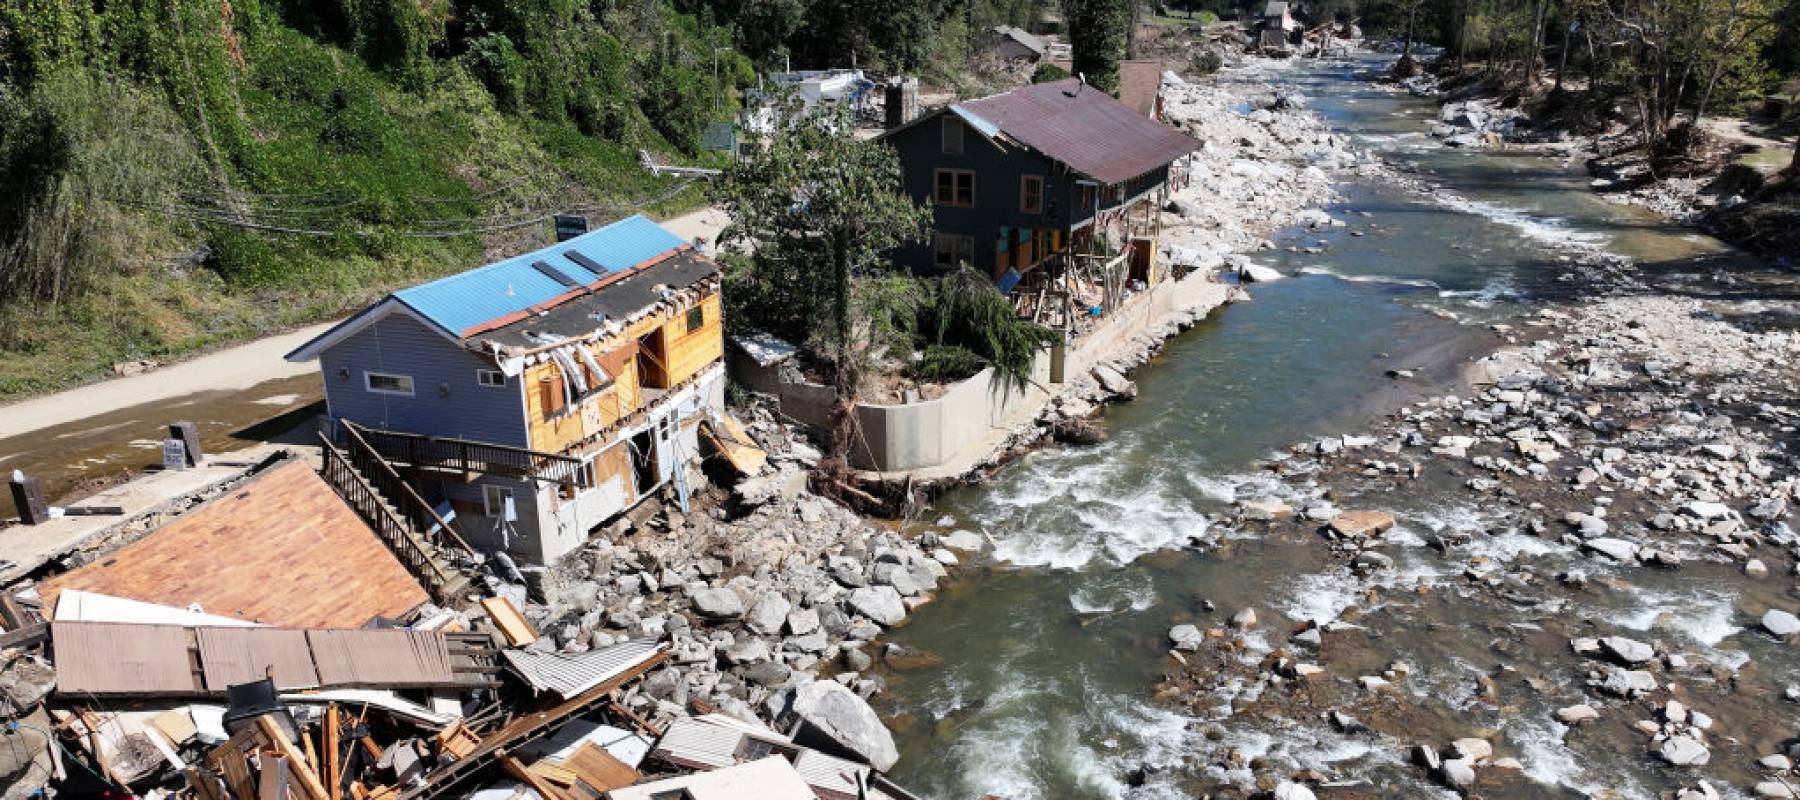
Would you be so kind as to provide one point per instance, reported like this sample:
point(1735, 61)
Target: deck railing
point(382, 475)
point(472, 457)
point(342, 473)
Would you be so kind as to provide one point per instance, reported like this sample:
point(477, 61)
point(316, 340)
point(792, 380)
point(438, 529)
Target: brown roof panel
point(1084, 128)
point(121, 658)
point(282, 549)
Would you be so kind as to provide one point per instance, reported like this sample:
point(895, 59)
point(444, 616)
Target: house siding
point(446, 399)
point(998, 175)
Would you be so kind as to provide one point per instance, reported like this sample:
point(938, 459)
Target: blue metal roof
point(483, 294)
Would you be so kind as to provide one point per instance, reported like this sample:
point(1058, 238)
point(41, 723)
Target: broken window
point(952, 136)
point(953, 250)
point(385, 383)
point(1031, 194)
point(495, 500)
point(955, 187)
point(696, 318)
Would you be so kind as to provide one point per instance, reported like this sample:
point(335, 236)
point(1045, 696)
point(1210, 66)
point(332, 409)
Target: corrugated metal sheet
point(1082, 127)
point(114, 657)
point(230, 656)
point(569, 674)
point(381, 657)
point(468, 299)
point(712, 741)
point(130, 659)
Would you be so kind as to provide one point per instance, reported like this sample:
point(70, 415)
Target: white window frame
point(493, 499)
point(486, 377)
point(369, 383)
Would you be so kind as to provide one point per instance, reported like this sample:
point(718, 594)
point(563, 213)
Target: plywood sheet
point(283, 549)
point(598, 769)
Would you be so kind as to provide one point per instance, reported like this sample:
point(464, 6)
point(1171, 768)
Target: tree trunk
point(844, 378)
point(1562, 58)
point(1411, 13)
point(1535, 42)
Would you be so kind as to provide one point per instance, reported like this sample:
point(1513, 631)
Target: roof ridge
point(513, 258)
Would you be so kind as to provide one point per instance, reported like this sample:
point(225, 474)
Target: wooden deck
point(283, 550)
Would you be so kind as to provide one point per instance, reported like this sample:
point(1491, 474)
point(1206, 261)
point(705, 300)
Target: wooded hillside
point(184, 172)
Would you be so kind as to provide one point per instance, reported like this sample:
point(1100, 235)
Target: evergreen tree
point(1097, 31)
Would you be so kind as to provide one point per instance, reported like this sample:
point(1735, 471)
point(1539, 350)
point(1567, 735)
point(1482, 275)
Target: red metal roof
point(1084, 128)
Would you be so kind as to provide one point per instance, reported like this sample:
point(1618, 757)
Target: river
point(1047, 656)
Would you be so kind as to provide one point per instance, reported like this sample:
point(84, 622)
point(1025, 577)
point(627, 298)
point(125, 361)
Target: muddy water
point(73, 459)
point(1049, 655)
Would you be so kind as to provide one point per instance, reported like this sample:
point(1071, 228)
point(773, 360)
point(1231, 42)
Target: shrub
point(945, 364)
point(1206, 62)
point(1047, 72)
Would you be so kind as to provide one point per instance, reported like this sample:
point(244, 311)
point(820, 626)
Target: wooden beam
point(532, 779)
point(297, 765)
point(329, 741)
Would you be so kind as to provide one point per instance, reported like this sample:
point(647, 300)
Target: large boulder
point(879, 603)
point(1780, 623)
point(717, 604)
point(768, 614)
point(1186, 637)
point(1361, 524)
point(837, 714)
point(1629, 652)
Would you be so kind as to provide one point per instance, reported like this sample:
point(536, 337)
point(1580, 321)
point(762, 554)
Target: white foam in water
point(1496, 290)
point(1420, 283)
point(1701, 616)
point(1112, 592)
point(1545, 230)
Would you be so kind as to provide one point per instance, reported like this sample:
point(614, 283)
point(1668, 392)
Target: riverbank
point(1461, 620)
point(1717, 176)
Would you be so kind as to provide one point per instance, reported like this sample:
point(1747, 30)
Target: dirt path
point(231, 369)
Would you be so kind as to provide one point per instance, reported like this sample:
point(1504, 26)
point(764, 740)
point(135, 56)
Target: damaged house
point(529, 400)
point(1041, 186)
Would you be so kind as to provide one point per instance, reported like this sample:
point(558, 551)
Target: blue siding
point(446, 400)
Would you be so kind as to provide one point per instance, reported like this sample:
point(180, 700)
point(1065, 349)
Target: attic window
point(490, 378)
point(952, 134)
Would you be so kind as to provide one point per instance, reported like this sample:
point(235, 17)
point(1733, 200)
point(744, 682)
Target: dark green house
point(1051, 178)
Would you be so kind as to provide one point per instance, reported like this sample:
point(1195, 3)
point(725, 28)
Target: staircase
point(421, 539)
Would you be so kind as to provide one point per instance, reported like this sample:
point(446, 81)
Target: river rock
point(1361, 524)
point(717, 604)
point(802, 621)
point(1457, 773)
point(1780, 623)
point(1684, 751)
point(1776, 790)
point(1265, 510)
point(1288, 790)
point(1114, 382)
point(839, 714)
point(879, 603)
point(1186, 637)
point(1257, 273)
point(1627, 683)
point(1245, 618)
point(1615, 549)
point(1576, 714)
point(768, 614)
point(1707, 510)
point(1629, 652)
point(966, 541)
point(748, 651)
point(1471, 749)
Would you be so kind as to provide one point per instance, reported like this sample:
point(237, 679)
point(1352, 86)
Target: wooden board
point(283, 549)
point(108, 657)
point(512, 624)
point(599, 769)
point(744, 458)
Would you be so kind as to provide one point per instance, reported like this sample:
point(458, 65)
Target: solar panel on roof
point(555, 274)
point(589, 264)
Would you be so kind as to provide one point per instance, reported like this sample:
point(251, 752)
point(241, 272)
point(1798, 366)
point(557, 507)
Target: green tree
point(815, 212)
point(1097, 30)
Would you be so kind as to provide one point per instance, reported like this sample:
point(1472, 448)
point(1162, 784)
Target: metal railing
point(341, 472)
point(466, 456)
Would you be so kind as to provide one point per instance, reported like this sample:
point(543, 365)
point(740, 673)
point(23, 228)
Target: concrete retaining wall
point(973, 416)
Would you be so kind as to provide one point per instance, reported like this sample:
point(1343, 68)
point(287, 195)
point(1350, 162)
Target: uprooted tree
point(812, 214)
